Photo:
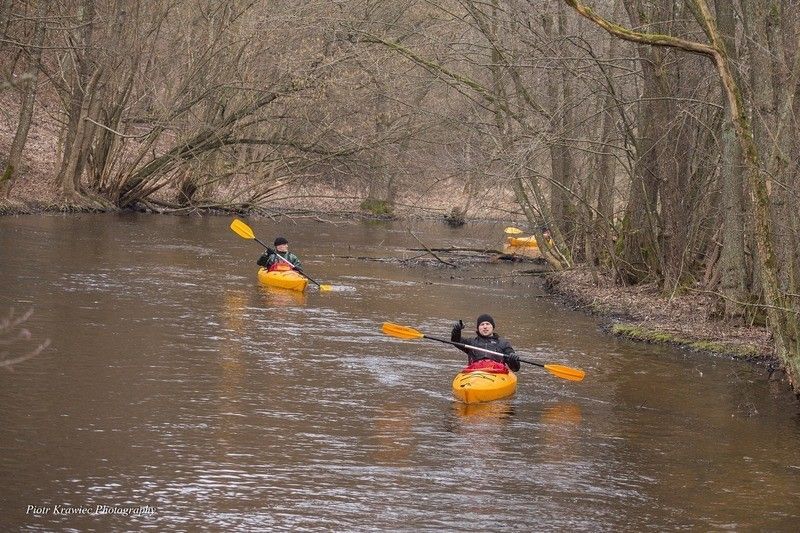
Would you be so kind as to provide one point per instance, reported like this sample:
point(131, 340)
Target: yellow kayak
point(523, 246)
point(283, 279)
point(480, 386)
point(522, 241)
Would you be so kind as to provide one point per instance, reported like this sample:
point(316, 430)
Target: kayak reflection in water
point(486, 339)
point(279, 258)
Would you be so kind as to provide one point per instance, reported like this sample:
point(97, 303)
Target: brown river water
point(178, 394)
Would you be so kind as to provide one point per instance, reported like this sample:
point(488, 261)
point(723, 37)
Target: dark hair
point(280, 240)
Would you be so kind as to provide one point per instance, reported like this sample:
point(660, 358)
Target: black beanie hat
point(485, 318)
point(280, 240)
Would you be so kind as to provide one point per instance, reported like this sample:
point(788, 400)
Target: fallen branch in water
point(454, 249)
point(432, 252)
point(10, 335)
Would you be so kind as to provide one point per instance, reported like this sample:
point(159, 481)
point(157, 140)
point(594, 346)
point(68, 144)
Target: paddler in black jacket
point(488, 340)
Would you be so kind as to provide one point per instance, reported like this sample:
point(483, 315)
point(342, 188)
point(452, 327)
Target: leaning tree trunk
point(81, 141)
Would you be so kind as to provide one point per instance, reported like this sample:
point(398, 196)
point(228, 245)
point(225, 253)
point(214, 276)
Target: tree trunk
point(784, 321)
point(77, 104)
point(781, 151)
point(732, 265)
point(5, 18)
point(561, 125)
point(640, 228)
point(26, 109)
point(113, 100)
point(380, 187)
point(81, 140)
point(603, 230)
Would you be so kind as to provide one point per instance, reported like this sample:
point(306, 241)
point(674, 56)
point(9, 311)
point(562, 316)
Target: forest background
point(655, 139)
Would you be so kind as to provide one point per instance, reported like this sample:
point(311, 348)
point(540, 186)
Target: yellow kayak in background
point(479, 386)
point(283, 279)
point(523, 246)
point(522, 241)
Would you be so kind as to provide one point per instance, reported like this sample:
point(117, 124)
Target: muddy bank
point(643, 314)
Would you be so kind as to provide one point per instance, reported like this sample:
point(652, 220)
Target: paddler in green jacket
point(488, 340)
point(276, 259)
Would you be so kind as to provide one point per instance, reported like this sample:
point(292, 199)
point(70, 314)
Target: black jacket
point(493, 342)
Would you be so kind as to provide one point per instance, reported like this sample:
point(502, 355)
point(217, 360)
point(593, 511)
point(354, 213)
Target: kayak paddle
point(244, 231)
point(511, 230)
point(407, 333)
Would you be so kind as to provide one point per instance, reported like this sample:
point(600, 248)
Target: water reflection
point(392, 437)
point(277, 297)
point(559, 431)
point(233, 315)
point(496, 411)
point(232, 371)
point(562, 414)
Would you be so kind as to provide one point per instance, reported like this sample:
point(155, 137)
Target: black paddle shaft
point(468, 347)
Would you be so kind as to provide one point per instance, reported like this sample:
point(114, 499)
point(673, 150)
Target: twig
point(432, 252)
point(9, 363)
point(115, 132)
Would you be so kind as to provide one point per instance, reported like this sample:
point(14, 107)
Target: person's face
point(282, 247)
point(485, 328)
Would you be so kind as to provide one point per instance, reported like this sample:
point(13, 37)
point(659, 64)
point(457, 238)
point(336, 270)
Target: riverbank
point(642, 313)
point(35, 194)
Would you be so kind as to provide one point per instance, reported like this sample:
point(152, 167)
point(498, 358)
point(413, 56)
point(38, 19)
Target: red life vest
point(280, 266)
point(486, 365)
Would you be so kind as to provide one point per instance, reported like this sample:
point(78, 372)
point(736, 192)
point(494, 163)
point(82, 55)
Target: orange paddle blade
point(566, 372)
point(401, 332)
point(511, 230)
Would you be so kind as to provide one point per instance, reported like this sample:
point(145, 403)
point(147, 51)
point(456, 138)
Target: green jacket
point(268, 259)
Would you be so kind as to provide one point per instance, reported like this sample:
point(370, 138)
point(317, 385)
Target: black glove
point(264, 259)
point(455, 335)
point(512, 361)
